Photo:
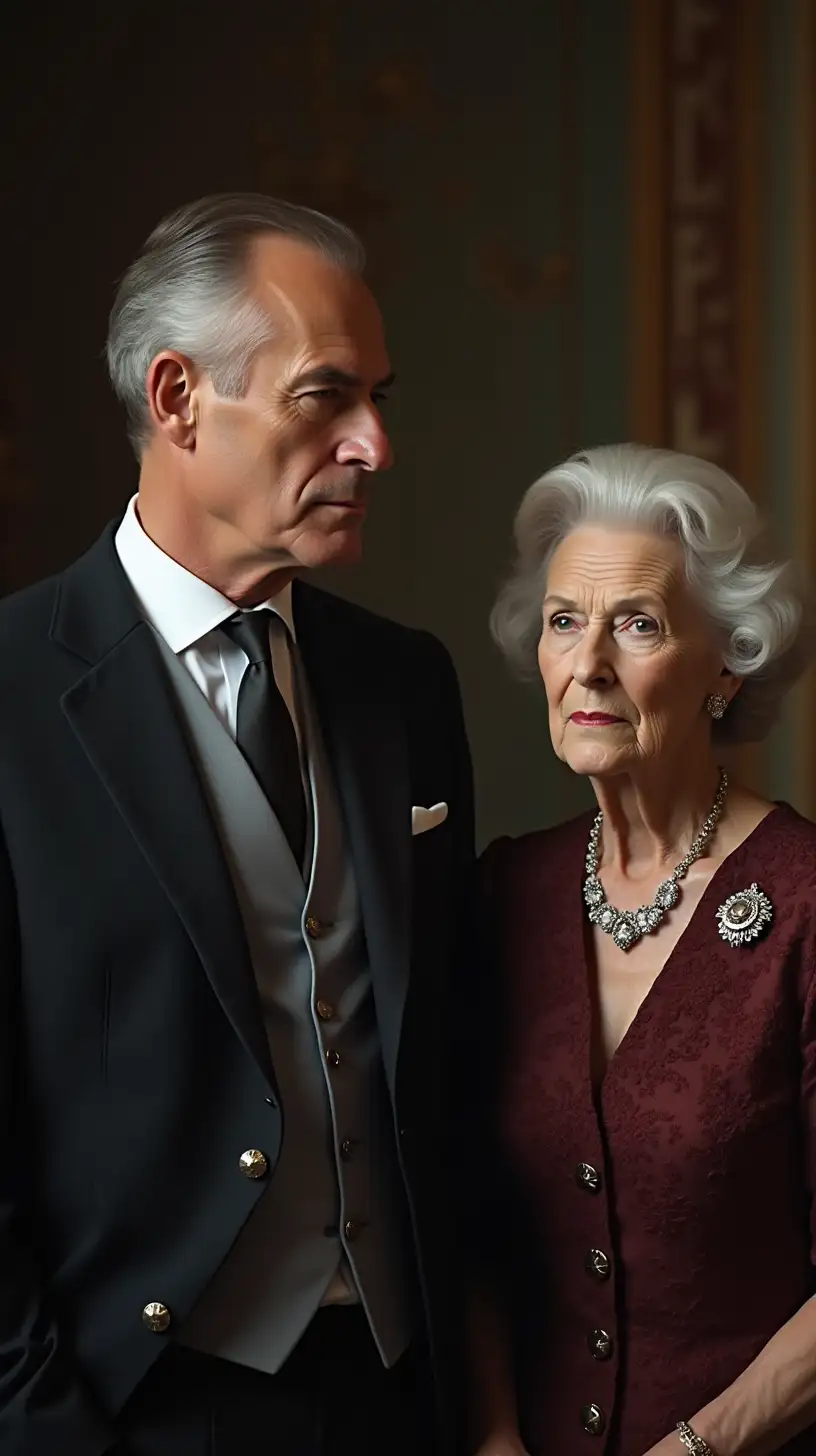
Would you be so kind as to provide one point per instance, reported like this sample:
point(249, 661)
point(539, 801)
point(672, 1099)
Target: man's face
point(282, 475)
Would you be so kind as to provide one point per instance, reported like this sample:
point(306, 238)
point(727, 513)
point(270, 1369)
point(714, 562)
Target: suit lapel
point(123, 712)
point(365, 740)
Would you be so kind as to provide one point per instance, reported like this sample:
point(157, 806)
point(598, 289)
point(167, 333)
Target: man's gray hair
point(758, 605)
point(187, 291)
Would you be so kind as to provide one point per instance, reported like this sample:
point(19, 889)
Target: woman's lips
point(595, 720)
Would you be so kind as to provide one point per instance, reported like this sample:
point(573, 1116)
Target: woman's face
point(626, 655)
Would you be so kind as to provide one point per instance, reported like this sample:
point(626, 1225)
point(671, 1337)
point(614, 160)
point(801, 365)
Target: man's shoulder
point(356, 622)
point(32, 607)
point(28, 617)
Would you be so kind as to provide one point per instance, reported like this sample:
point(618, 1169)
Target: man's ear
point(170, 388)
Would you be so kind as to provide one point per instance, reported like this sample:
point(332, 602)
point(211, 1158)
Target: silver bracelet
point(692, 1442)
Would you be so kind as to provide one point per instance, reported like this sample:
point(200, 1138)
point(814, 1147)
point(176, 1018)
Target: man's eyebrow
point(328, 376)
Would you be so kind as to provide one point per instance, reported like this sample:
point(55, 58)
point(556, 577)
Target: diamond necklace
point(627, 926)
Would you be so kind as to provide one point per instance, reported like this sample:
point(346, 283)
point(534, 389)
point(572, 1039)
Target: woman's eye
point(641, 626)
point(561, 622)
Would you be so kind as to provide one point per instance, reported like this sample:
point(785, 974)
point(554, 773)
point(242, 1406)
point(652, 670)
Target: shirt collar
point(180, 606)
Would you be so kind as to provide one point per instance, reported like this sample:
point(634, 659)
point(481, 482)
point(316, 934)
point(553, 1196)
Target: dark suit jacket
point(134, 1069)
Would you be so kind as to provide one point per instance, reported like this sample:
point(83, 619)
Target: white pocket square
point(423, 819)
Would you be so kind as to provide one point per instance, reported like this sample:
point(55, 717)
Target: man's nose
point(368, 444)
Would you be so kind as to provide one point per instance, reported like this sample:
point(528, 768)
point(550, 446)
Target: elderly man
point(235, 852)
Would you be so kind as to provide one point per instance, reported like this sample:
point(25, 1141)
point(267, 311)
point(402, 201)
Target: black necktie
point(266, 733)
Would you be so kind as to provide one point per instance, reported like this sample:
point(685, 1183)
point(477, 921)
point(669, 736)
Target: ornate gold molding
point(647, 273)
point(696, 227)
point(804, 264)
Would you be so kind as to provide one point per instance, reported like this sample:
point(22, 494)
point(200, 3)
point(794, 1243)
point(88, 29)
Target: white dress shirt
point(187, 613)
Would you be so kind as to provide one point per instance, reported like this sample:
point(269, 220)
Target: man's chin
point(338, 548)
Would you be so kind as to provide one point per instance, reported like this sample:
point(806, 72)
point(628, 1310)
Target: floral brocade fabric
point(652, 1234)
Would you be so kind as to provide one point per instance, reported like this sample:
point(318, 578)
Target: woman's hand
point(502, 1445)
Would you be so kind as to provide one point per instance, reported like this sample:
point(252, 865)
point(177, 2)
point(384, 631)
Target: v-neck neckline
point(685, 941)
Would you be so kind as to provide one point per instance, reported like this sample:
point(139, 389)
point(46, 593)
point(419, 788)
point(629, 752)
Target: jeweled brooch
point(744, 915)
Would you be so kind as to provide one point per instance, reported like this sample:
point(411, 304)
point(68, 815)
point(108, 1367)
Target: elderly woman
point(652, 1002)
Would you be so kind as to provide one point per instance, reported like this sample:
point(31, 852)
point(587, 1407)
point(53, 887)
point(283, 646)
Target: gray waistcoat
point(336, 1188)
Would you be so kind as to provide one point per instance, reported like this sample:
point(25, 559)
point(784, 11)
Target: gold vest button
point(157, 1317)
point(325, 1010)
point(314, 927)
point(333, 1057)
point(352, 1230)
point(253, 1163)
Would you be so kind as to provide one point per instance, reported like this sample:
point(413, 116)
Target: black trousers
point(333, 1397)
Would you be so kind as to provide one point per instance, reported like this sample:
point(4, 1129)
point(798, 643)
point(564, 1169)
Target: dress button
point(325, 1010)
point(314, 927)
point(588, 1177)
point(352, 1230)
point(156, 1316)
point(597, 1265)
point(593, 1419)
point(347, 1149)
point(601, 1345)
point(253, 1163)
point(333, 1057)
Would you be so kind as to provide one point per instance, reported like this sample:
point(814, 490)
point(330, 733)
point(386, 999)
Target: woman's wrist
point(692, 1442)
point(503, 1429)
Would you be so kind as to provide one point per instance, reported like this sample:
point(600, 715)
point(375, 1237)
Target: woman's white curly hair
point(758, 604)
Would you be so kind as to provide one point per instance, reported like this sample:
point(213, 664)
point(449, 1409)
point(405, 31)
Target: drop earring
point(716, 705)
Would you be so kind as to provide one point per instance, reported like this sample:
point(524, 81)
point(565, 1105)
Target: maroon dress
point(655, 1233)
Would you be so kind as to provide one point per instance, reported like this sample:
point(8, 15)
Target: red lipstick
point(595, 720)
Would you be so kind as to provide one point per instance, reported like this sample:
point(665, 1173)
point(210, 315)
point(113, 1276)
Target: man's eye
point(322, 393)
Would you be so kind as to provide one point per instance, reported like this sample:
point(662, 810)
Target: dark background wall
point(494, 162)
